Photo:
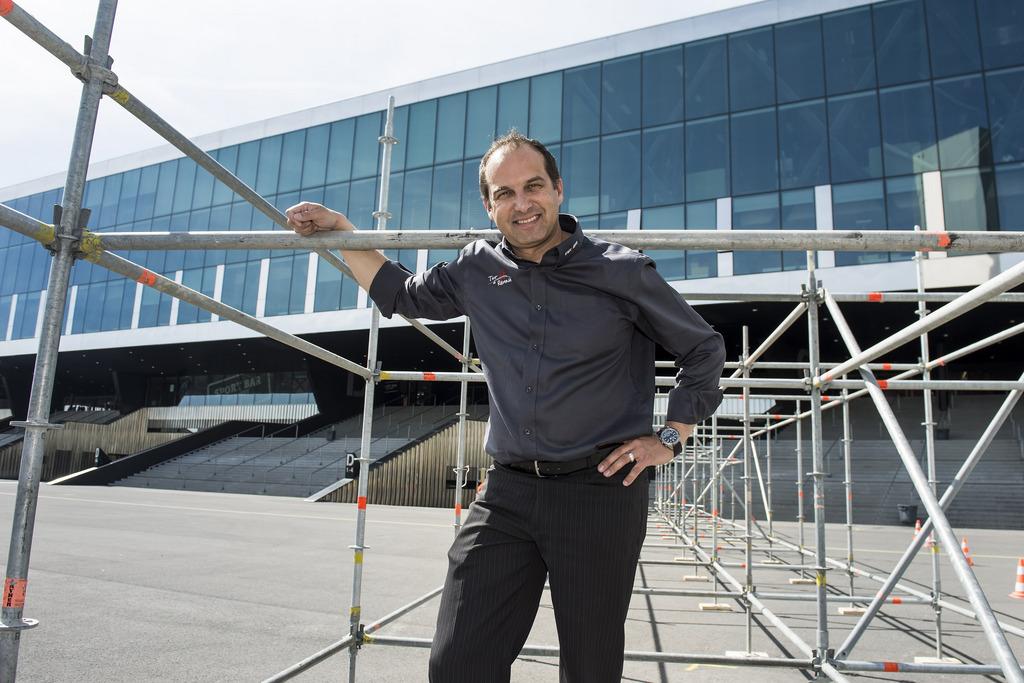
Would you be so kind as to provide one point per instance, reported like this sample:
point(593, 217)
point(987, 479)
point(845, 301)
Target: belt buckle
point(536, 468)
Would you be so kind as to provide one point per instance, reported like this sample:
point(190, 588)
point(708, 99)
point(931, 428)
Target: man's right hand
point(306, 218)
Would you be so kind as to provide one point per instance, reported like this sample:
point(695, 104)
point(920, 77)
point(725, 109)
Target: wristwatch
point(670, 438)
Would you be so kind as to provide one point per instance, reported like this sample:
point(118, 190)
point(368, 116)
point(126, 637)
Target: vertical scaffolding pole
point(715, 486)
point(929, 441)
point(748, 498)
point(800, 481)
point(382, 215)
point(36, 424)
point(460, 459)
point(848, 485)
point(768, 502)
point(813, 349)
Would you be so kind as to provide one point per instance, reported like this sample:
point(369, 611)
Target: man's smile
point(526, 221)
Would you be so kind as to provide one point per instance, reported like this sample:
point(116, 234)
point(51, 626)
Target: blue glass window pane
point(701, 216)
point(751, 69)
point(401, 132)
point(707, 158)
point(297, 291)
point(904, 201)
point(451, 127)
point(799, 71)
point(580, 177)
point(291, 161)
point(108, 210)
point(962, 117)
point(757, 212)
point(228, 158)
point(671, 264)
point(1010, 182)
point(664, 181)
point(165, 188)
point(798, 213)
point(620, 172)
point(279, 285)
point(1006, 109)
point(416, 199)
point(953, 36)
point(613, 221)
point(803, 145)
point(367, 147)
point(859, 206)
point(202, 195)
point(5, 316)
point(620, 94)
point(129, 197)
point(183, 185)
point(327, 296)
point(446, 201)
point(422, 124)
point(663, 86)
point(546, 107)
point(755, 164)
point(396, 188)
point(339, 154)
point(336, 197)
point(901, 47)
point(1001, 24)
point(706, 93)
point(969, 199)
point(198, 221)
point(514, 106)
point(314, 160)
point(241, 282)
point(855, 146)
point(849, 53)
point(92, 200)
point(581, 102)
point(473, 213)
point(362, 202)
point(26, 316)
point(481, 114)
point(258, 162)
point(269, 165)
point(148, 309)
point(93, 308)
point(113, 294)
point(908, 129)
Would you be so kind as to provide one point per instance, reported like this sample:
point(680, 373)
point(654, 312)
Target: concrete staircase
point(289, 465)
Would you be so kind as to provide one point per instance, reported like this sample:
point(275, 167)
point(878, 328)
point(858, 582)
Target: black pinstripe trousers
point(583, 532)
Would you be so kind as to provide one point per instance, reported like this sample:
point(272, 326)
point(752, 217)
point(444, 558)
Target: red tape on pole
point(14, 593)
point(5, 7)
point(883, 384)
point(890, 666)
point(361, 502)
point(875, 296)
point(147, 278)
point(944, 240)
point(429, 376)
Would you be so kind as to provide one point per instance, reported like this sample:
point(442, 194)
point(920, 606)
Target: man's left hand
point(641, 453)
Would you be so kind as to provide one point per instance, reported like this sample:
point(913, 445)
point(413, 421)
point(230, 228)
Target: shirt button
point(538, 307)
point(527, 432)
point(534, 347)
point(529, 389)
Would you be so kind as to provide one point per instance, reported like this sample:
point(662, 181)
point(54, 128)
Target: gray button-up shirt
point(567, 344)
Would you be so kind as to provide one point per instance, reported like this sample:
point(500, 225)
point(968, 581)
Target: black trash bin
point(908, 514)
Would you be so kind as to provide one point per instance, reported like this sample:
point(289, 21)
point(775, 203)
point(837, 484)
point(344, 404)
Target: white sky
point(207, 66)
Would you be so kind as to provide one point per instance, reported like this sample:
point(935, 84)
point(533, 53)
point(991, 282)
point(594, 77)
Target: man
point(565, 327)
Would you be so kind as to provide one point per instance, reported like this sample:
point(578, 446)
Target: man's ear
point(559, 190)
point(487, 207)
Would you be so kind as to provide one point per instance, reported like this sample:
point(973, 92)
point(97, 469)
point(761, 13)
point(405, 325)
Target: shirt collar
point(563, 251)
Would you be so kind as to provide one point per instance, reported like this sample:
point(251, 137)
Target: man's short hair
point(514, 139)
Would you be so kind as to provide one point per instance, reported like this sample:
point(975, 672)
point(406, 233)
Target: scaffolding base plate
point(715, 607)
point(936, 660)
point(801, 582)
point(851, 611)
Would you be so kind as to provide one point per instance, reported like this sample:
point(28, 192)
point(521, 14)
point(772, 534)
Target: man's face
point(523, 202)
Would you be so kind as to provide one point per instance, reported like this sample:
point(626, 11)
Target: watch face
point(669, 436)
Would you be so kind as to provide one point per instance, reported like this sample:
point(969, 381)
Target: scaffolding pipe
point(92, 70)
point(460, 454)
point(996, 638)
point(947, 498)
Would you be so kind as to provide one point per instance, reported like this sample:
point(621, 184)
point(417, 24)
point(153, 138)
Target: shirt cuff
point(387, 283)
point(690, 406)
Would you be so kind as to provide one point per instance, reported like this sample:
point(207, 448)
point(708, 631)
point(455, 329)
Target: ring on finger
point(632, 458)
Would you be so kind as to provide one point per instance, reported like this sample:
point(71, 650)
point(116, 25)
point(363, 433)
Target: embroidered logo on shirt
point(500, 279)
point(572, 248)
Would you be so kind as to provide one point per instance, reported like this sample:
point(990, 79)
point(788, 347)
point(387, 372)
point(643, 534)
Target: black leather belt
point(547, 468)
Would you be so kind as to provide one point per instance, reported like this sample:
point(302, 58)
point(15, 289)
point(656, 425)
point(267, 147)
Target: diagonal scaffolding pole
point(37, 423)
point(976, 596)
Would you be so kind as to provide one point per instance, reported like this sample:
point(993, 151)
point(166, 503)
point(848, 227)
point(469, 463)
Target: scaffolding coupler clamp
point(88, 69)
point(36, 424)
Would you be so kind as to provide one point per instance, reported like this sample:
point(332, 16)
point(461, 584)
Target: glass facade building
point(860, 118)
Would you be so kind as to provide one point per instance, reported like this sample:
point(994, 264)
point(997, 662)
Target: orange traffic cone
point(967, 552)
point(1018, 588)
